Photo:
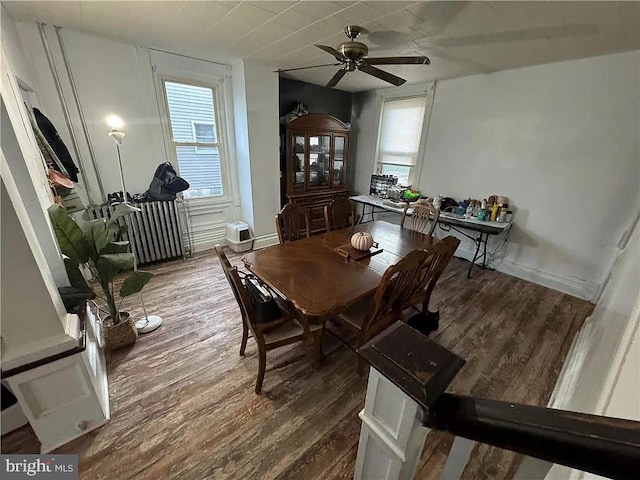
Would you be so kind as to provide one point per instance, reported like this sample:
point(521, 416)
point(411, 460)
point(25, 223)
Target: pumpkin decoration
point(362, 241)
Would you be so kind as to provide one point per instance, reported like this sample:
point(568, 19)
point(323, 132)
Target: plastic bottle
point(494, 212)
point(469, 212)
point(437, 201)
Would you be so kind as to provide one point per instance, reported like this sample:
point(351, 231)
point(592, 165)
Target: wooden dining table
point(317, 281)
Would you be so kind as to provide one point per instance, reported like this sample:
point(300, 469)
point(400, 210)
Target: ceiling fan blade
point(336, 78)
point(526, 35)
point(304, 68)
point(398, 61)
point(381, 74)
point(339, 56)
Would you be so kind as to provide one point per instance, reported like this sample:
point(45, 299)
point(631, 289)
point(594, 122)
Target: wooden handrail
point(422, 369)
point(601, 445)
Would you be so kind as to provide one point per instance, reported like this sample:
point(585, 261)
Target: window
point(399, 138)
point(194, 137)
point(204, 133)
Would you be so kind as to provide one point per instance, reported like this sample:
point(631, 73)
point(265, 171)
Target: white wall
point(242, 143)
point(13, 49)
point(257, 137)
point(118, 78)
point(600, 375)
point(603, 344)
point(561, 140)
point(110, 80)
point(261, 85)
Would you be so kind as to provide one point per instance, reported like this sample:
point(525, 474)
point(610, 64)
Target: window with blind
point(194, 137)
point(399, 138)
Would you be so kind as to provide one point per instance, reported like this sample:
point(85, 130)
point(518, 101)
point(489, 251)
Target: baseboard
point(569, 374)
point(265, 240)
point(207, 236)
point(577, 288)
point(570, 286)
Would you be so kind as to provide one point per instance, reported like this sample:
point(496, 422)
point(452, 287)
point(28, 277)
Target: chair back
point(392, 292)
point(239, 290)
point(339, 214)
point(423, 219)
point(292, 223)
point(437, 259)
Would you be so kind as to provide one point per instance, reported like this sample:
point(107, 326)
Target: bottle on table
point(494, 212)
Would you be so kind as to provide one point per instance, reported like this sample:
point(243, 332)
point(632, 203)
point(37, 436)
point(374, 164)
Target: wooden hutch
point(316, 164)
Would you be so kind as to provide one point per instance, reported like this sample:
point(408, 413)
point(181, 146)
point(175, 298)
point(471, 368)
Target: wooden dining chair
point(423, 219)
point(438, 257)
point(292, 223)
point(268, 335)
point(372, 315)
point(339, 214)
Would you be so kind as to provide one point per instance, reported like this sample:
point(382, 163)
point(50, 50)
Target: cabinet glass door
point(298, 162)
point(319, 160)
point(338, 162)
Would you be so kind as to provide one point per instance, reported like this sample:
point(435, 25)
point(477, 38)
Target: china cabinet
point(316, 169)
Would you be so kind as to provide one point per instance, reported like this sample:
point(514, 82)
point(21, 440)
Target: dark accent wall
point(319, 99)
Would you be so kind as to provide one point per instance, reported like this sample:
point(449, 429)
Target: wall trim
point(208, 239)
point(267, 240)
point(578, 288)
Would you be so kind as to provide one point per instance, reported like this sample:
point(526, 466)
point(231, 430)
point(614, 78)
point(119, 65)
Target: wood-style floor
point(182, 400)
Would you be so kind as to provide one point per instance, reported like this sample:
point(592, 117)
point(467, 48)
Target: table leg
point(484, 254)
point(481, 242)
point(364, 213)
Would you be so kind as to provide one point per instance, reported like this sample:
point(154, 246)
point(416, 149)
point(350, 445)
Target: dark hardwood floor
point(182, 400)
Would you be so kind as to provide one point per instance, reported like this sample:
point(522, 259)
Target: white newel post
point(392, 435)
point(408, 373)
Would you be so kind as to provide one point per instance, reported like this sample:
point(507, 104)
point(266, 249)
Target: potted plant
point(97, 246)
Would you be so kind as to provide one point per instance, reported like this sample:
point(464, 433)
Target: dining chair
point(372, 315)
point(270, 335)
point(438, 257)
point(292, 223)
point(339, 214)
point(423, 219)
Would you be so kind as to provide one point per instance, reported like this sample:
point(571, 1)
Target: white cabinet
point(66, 398)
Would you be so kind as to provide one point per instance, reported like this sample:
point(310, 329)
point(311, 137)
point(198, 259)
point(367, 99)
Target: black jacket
point(58, 146)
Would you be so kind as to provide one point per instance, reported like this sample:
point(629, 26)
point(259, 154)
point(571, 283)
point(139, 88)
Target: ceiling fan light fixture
point(352, 56)
point(353, 50)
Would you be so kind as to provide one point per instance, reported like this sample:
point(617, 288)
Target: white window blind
point(194, 137)
point(399, 139)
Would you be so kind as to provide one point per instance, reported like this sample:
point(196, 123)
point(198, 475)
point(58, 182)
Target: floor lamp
point(149, 322)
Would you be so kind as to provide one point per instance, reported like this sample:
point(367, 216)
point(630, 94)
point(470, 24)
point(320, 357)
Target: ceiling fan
point(352, 56)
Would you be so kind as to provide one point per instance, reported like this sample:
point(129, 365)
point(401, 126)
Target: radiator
point(155, 233)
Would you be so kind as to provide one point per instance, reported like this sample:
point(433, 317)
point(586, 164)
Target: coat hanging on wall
point(58, 146)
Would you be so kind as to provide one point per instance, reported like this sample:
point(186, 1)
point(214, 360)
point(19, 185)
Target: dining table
point(311, 275)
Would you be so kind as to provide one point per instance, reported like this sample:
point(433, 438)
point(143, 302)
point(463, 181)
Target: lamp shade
point(115, 122)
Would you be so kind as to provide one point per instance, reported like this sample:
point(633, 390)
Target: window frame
point(195, 136)
point(415, 170)
point(171, 145)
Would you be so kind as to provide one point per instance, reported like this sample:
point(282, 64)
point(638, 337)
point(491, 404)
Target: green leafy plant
point(97, 245)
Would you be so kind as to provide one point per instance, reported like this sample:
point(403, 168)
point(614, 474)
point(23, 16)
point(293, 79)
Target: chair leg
point(262, 365)
point(245, 336)
point(362, 366)
point(317, 343)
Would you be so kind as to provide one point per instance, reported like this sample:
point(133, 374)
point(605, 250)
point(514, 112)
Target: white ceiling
point(460, 38)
